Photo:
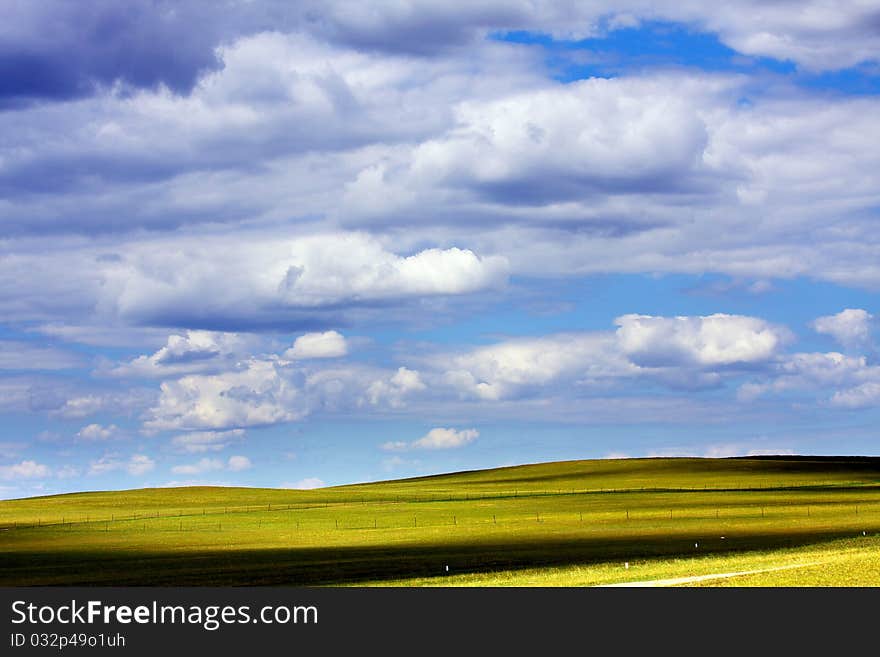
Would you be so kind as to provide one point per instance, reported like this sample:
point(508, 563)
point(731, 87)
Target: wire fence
point(296, 517)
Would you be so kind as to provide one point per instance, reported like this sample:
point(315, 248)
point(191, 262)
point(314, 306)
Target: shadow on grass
point(352, 565)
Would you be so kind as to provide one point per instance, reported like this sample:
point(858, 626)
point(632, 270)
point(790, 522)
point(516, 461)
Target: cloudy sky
point(255, 242)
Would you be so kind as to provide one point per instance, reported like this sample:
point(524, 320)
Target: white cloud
point(67, 472)
point(721, 451)
point(437, 438)
point(136, 465)
point(196, 442)
point(200, 467)
point(706, 341)
point(16, 355)
point(677, 352)
point(269, 278)
point(862, 396)
point(250, 279)
point(850, 327)
point(791, 160)
point(394, 389)
point(124, 402)
point(815, 36)
point(852, 378)
point(193, 351)
point(180, 483)
point(103, 336)
point(24, 470)
point(328, 344)
point(271, 390)
point(140, 464)
point(304, 484)
point(552, 152)
point(98, 432)
point(726, 193)
point(233, 464)
point(259, 394)
point(238, 463)
point(394, 462)
point(518, 366)
point(104, 465)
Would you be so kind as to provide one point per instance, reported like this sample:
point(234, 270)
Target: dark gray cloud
point(57, 50)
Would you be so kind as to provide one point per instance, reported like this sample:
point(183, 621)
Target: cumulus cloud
point(259, 394)
point(281, 99)
point(437, 438)
point(850, 327)
point(562, 143)
point(707, 341)
point(98, 432)
point(851, 381)
point(24, 470)
point(148, 45)
point(556, 155)
point(136, 465)
point(814, 36)
point(679, 352)
point(861, 396)
point(124, 402)
point(238, 463)
point(196, 442)
point(200, 467)
point(329, 344)
point(289, 169)
point(218, 281)
point(520, 365)
point(139, 464)
point(565, 214)
point(194, 351)
point(305, 484)
point(394, 389)
point(99, 45)
point(213, 409)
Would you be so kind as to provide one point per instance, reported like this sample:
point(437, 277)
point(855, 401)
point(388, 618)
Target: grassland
point(570, 523)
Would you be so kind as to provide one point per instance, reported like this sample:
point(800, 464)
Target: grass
point(842, 562)
point(568, 524)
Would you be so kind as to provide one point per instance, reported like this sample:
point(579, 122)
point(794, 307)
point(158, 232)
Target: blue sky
point(293, 246)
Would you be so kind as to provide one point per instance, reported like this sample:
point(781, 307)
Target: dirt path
point(675, 581)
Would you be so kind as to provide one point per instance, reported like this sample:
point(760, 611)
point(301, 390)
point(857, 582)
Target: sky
point(262, 243)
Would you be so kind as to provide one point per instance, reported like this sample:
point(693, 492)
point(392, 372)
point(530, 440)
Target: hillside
point(560, 514)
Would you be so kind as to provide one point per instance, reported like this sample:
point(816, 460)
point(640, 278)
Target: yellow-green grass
point(554, 519)
point(842, 562)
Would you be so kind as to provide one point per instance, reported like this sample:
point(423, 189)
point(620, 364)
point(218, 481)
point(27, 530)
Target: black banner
point(235, 621)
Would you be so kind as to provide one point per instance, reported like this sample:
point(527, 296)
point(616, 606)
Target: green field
point(795, 520)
